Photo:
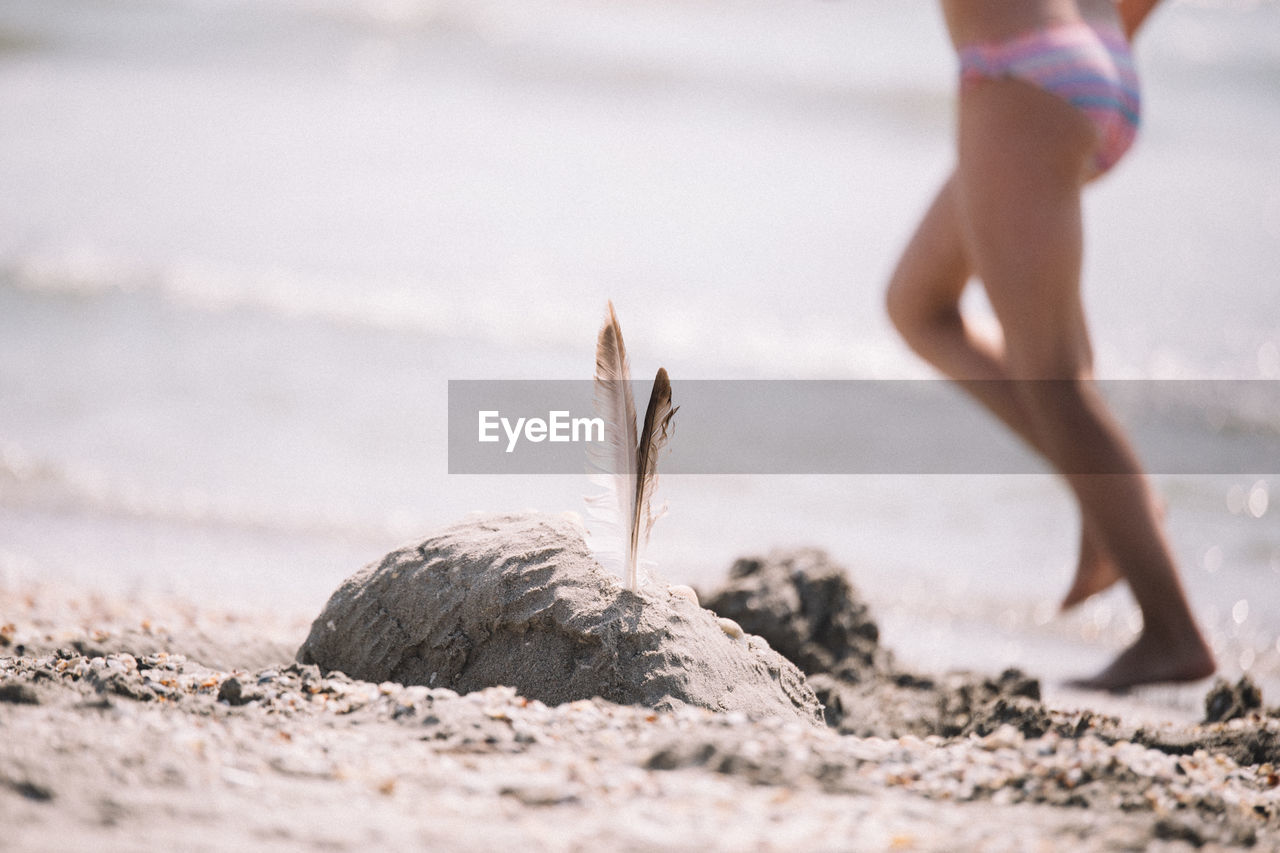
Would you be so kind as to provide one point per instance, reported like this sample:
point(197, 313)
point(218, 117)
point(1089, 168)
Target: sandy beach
point(247, 247)
point(166, 723)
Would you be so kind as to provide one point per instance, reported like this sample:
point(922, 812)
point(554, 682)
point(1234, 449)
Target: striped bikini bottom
point(1090, 68)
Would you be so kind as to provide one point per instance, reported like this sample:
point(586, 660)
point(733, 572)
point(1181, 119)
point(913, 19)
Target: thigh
point(1023, 158)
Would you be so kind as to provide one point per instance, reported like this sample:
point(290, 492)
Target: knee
point(1067, 359)
point(1072, 425)
point(899, 307)
point(916, 318)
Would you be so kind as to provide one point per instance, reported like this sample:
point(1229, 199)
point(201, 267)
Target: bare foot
point(1150, 661)
point(1095, 572)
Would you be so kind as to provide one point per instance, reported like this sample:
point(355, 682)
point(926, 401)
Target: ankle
point(1184, 644)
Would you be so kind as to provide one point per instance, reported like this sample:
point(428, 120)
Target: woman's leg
point(1022, 160)
point(923, 301)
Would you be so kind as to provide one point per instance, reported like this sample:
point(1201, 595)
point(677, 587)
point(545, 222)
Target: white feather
point(622, 511)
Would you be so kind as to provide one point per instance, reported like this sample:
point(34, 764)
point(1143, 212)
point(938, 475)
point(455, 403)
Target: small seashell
point(733, 629)
point(680, 590)
point(1005, 737)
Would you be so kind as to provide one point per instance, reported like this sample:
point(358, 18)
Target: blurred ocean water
point(244, 245)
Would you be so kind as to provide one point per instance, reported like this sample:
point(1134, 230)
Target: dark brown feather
point(653, 438)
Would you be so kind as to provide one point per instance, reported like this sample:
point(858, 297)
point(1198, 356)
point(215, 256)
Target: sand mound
point(1226, 701)
point(518, 600)
point(805, 607)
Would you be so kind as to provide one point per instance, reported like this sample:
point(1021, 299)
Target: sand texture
point(108, 744)
point(518, 600)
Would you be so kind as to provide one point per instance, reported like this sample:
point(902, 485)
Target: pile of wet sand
point(518, 600)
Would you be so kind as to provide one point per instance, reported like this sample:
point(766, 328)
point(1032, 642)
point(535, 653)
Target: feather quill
point(626, 462)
